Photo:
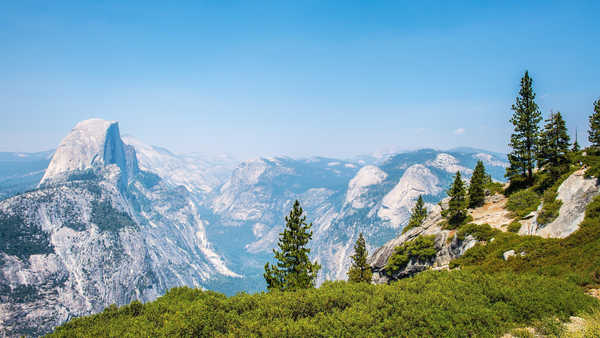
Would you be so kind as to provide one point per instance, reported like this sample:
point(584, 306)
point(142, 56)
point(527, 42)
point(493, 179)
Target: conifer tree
point(594, 132)
point(476, 188)
point(554, 145)
point(417, 215)
point(576, 147)
point(457, 207)
point(293, 270)
point(360, 271)
point(524, 140)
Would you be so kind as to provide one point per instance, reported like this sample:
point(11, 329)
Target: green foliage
point(524, 139)
point(551, 327)
point(359, 270)
point(457, 207)
point(476, 188)
point(514, 226)
point(417, 215)
point(594, 131)
point(494, 187)
point(553, 151)
point(574, 258)
point(432, 304)
point(107, 218)
point(591, 325)
point(420, 249)
point(550, 207)
point(481, 232)
point(21, 239)
point(448, 225)
point(293, 270)
point(523, 202)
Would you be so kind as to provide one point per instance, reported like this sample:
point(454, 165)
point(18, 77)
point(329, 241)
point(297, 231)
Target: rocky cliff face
point(447, 246)
point(576, 192)
point(98, 231)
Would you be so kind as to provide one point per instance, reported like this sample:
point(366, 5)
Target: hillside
point(486, 278)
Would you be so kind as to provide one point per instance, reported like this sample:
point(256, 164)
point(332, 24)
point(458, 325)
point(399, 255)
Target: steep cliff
point(97, 231)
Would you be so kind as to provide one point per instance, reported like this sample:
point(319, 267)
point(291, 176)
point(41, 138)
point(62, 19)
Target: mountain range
point(107, 219)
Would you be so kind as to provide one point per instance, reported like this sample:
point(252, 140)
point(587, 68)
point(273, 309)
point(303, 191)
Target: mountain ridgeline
point(490, 259)
point(113, 220)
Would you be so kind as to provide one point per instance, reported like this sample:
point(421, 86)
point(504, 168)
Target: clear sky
point(299, 78)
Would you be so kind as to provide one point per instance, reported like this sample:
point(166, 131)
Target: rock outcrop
point(576, 192)
point(447, 245)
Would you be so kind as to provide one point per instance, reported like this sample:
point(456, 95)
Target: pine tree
point(293, 270)
point(417, 215)
point(576, 147)
point(554, 146)
point(524, 140)
point(476, 188)
point(594, 132)
point(360, 271)
point(457, 207)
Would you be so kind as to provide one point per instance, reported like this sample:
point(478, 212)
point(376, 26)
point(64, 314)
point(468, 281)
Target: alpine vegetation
point(293, 269)
point(359, 270)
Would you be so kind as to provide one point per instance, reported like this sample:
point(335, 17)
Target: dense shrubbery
point(454, 303)
point(483, 232)
point(550, 207)
point(514, 226)
point(421, 249)
point(523, 202)
point(574, 257)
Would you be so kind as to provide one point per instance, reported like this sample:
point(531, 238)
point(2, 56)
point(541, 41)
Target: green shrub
point(421, 248)
point(494, 188)
point(456, 223)
point(432, 304)
point(574, 258)
point(523, 202)
point(481, 232)
point(514, 226)
point(550, 207)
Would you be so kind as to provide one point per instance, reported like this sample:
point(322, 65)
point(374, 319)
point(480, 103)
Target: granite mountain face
point(114, 220)
point(98, 230)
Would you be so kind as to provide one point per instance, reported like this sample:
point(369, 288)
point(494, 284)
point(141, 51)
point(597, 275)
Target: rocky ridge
point(575, 193)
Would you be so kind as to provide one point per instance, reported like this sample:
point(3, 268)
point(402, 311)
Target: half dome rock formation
point(91, 145)
point(97, 231)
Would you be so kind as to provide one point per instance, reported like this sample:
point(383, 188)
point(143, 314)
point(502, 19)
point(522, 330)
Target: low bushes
point(523, 202)
point(421, 248)
point(456, 303)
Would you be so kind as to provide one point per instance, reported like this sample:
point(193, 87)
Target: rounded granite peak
point(90, 144)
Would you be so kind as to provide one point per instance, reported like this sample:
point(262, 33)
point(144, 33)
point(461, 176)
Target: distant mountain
point(340, 198)
point(97, 231)
point(114, 219)
point(20, 172)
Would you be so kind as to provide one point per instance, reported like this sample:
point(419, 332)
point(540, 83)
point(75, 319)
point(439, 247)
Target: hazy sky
point(299, 78)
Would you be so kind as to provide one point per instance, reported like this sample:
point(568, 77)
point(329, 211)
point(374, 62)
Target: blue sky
point(298, 78)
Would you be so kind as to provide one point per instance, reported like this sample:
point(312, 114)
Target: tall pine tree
point(594, 132)
point(293, 270)
point(476, 188)
point(575, 144)
point(417, 215)
point(457, 207)
point(524, 140)
point(554, 146)
point(359, 270)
